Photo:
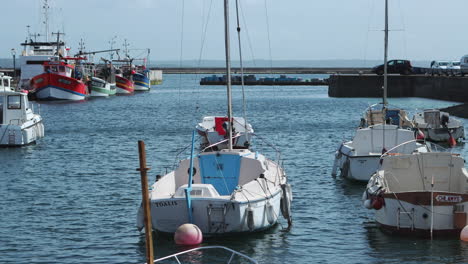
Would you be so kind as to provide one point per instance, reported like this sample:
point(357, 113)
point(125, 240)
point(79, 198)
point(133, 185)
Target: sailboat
point(359, 158)
point(419, 193)
point(225, 187)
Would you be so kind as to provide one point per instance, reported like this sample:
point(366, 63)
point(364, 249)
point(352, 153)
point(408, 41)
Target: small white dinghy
point(438, 126)
point(19, 126)
point(359, 159)
point(420, 194)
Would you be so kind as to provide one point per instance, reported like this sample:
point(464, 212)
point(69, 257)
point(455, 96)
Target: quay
point(264, 70)
point(449, 88)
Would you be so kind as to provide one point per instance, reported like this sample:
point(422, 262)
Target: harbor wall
point(449, 88)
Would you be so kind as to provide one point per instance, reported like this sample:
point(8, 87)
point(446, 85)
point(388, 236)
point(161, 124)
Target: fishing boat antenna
point(46, 8)
point(228, 71)
point(244, 108)
point(58, 40)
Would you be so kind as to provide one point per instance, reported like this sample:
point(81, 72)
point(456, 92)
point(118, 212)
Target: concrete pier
point(450, 88)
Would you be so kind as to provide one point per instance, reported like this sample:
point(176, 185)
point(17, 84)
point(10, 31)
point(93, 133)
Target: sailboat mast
point(385, 55)
point(228, 71)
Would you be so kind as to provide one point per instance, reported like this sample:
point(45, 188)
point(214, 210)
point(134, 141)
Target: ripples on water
point(73, 197)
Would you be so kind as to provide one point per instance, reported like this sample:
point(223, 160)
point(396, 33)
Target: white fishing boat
point(101, 88)
point(360, 158)
point(36, 53)
point(221, 189)
point(438, 126)
point(214, 130)
point(420, 193)
point(19, 125)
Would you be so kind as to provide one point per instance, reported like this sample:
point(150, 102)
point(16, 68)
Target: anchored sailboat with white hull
point(226, 187)
point(360, 158)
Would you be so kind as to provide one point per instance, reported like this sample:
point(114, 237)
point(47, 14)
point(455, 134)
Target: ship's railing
point(210, 258)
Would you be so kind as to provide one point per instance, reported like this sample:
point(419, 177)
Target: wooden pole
point(146, 204)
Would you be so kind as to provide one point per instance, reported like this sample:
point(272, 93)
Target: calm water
point(73, 197)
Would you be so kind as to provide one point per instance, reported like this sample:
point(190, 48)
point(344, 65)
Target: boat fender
point(250, 218)
point(270, 213)
point(285, 202)
point(377, 202)
point(368, 204)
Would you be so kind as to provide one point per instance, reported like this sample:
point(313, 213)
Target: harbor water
point(73, 197)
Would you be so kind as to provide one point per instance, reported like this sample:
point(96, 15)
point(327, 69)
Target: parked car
point(439, 67)
point(453, 68)
point(395, 66)
point(464, 65)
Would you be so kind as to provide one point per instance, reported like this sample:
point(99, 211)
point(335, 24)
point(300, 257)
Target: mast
point(385, 55)
point(228, 71)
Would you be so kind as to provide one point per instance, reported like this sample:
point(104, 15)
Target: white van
point(464, 65)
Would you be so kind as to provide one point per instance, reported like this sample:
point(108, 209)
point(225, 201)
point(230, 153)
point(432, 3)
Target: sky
point(271, 29)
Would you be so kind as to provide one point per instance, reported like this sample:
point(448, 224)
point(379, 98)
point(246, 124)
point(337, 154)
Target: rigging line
point(247, 33)
point(202, 45)
point(404, 32)
point(242, 71)
point(181, 51)
point(268, 35)
point(366, 44)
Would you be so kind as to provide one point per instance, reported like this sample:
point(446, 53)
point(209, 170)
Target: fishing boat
point(438, 126)
point(222, 188)
point(420, 194)
point(141, 81)
point(101, 88)
point(36, 52)
point(123, 85)
point(57, 83)
point(19, 125)
point(359, 158)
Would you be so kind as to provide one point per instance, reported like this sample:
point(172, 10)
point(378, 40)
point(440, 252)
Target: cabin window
point(46, 68)
point(39, 80)
point(62, 68)
point(64, 81)
point(53, 69)
point(14, 102)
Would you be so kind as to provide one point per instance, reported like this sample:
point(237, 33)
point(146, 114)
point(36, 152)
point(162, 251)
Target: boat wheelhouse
point(33, 57)
point(19, 125)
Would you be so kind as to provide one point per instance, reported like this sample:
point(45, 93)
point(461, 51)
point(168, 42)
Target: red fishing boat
point(124, 85)
point(57, 83)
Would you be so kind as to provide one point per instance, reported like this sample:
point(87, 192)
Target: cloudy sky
point(276, 29)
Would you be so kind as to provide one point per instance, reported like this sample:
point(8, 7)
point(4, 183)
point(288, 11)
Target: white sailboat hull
point(216, 216)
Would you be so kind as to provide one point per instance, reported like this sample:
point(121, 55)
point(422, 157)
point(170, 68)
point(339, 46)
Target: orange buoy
point(188, 235)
